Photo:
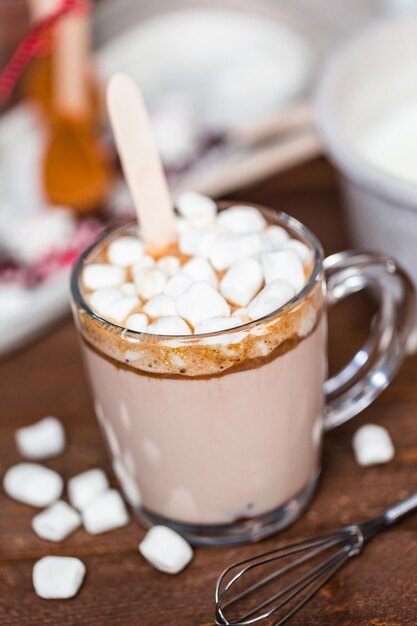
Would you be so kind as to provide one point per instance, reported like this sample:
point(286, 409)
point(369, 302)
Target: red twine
point(32, 44)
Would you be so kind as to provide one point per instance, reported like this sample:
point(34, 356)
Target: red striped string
point(31, 45)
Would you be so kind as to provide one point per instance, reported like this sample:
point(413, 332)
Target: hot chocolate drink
point(207, 366)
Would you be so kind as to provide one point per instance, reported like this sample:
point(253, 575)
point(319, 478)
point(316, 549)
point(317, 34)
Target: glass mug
point(219, 435)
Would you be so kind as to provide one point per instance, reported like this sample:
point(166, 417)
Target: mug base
point(239, 532)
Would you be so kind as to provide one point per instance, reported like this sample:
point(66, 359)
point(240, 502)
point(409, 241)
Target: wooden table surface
point(121, 589)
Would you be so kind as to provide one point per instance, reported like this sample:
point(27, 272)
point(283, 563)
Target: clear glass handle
point(372, 368)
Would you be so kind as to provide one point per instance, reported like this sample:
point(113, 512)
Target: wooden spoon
point(141, 163)
point(77, 170)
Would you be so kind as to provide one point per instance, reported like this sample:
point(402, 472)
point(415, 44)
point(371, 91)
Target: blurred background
point(230, 86)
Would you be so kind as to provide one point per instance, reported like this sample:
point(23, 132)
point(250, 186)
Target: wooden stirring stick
point(141, 163)
point(77, 171)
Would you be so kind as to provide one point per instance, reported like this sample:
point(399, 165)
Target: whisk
point(304, 567)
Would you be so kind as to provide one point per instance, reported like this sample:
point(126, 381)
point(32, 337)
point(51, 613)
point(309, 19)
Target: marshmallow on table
point(372, 445)
point(33, 484)
point(177, 284)
point(169, 325)
point(170, 264)
point(83, 488)
point(271, 298)
point(200, 302)
point(58, 577)
point(56, 522)
point(97, 275)
point(197, 209)
point(106, 512)
point(198, 268)
point(150, 282)
point(276, 236)
point(197, 242)
point(137, 322)
point(283, 264)
point(166, 550)
point(160, 306)
point(241, 219)
point(242, 281)
point(41, 440)
point(125, 251)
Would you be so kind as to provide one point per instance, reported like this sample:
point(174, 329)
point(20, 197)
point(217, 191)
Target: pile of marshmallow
point(92, 503)
point(237, 269)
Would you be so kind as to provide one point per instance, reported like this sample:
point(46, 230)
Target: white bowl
point(371, 76)
point(232, 62)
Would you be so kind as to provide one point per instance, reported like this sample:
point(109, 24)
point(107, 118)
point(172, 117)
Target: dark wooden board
point(378, 589)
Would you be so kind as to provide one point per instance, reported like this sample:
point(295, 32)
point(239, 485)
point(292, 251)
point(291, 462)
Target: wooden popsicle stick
point(141, 163)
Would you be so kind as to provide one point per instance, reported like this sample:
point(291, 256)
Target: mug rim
point(289, 222)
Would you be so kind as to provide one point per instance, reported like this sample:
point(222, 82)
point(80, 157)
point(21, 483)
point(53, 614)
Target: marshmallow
point(56, 522)
point(301, 249)
point(58, 577)
point(226, 249)
point(230, 247)
point(200, 302)
point(197, 242)
point(106, 512)
point(150, 282)
point(143, 263)
point(198, 210)
point(241, 219)
point(83, 488)
point(128, 289)
point(97, 275)
point(199, 268)
point(242, 314)
point(33, 484)
point(216, 324)
point(125, 251)
point(160, 306)
point(177, 284)
point(182, 224)
point(170, 264)
point(271, 298)
point(137, 322)
point(42, 440)
point(284, 265)
point(102, 298)
point(169, 325)
point(276, 236)
point(242, 281)
point(166, 550)
point(372, 445)
point(122, 308)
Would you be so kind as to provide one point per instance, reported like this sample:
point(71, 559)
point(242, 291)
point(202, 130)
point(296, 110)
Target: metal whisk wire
point(339, 545)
